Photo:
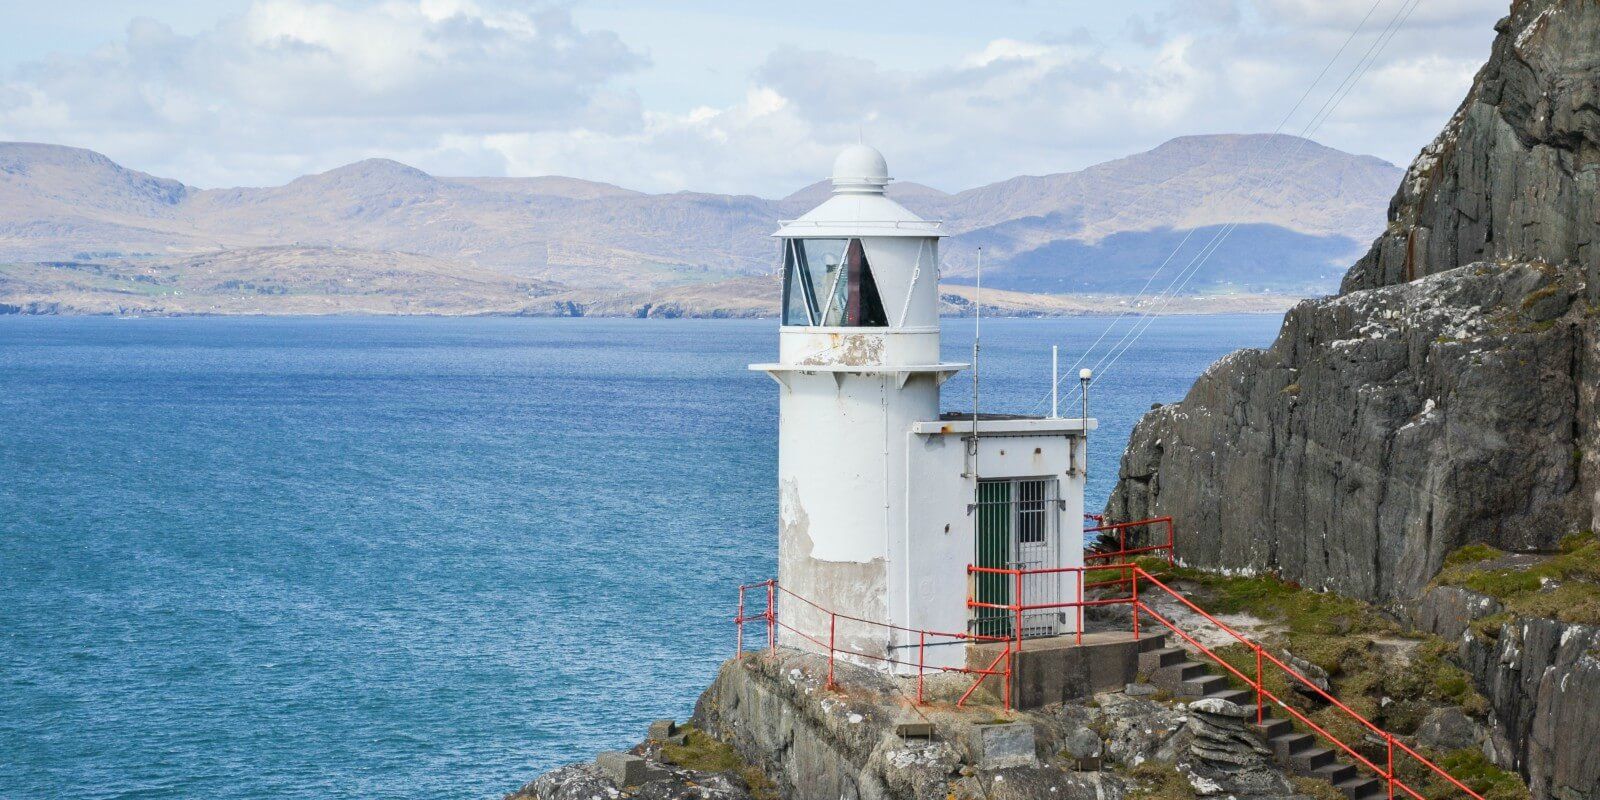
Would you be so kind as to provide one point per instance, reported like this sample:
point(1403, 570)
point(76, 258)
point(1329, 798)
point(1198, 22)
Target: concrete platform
point(1057, 668)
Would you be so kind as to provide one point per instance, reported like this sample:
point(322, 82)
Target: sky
point(734, 97)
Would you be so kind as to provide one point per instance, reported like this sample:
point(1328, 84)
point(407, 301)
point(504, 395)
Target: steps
point(1171, 669)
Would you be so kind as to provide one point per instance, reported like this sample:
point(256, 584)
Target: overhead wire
point(1181, 281)
point(1146, 315)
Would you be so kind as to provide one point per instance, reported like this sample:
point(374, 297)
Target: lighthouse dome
point(860, 169)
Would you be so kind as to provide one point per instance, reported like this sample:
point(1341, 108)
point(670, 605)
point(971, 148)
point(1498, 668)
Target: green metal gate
point(994, 537)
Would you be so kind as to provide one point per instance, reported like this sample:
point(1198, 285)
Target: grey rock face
point(1449, 729)
point(1382, 430)
point(617, 775)
point(1448, 395)
point(1512, 176)
point(1542, 678)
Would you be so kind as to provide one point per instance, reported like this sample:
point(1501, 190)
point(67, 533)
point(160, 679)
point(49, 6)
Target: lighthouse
point(884, 502)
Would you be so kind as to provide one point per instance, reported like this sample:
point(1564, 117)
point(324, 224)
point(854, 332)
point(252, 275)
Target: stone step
point(1335, 773)
point(1241, 697)
point(1152, 660)
point(1205, 686)
point(1309, 760)
point(1359, 788)
point(1273, 728)
point(1172, 678)
point(1170, 669)
point(1290, 743)
point(1152, 641)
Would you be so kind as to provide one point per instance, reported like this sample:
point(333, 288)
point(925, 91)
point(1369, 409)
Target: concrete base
point(1058, 668)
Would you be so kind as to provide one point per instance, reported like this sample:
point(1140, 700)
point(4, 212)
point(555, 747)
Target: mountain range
point(80, 233)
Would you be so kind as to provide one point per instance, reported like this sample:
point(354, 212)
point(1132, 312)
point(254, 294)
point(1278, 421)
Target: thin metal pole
point(977, 335)
point(922, 650)
point(1171, 542)
point(833, 618)
point(1010, 667)
point(772, 618)
point(1134, 571)
point(1083, 379)
point(738, 623)
point(1055, 381)
point(1390, 738)
point(1080, 605)
point(1017, 601)
point(1260, 690)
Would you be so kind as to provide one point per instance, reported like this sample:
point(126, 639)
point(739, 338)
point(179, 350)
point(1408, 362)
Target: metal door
point(1018, 527)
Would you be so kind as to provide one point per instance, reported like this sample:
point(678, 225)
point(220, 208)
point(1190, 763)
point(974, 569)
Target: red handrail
point(1122, 528)
point(769, 615)
point(1258, 683)
point(1012, 645)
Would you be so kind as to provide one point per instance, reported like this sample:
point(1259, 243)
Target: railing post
point(1017, 603)
point(1081, 573)
point(1260, 689)
point(772, 617)
point(1172, 544)
point(922, 649)
point(833, 619)
point(738, 624)
point(1009, 668)
point(1389, 737)
point(1133, 573)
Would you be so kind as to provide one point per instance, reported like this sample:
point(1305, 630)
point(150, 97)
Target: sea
point(411, 557)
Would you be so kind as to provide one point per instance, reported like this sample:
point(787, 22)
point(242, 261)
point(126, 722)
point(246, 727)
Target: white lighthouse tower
point(883, 502)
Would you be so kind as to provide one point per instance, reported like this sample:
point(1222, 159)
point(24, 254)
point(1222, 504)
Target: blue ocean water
point(408, 558)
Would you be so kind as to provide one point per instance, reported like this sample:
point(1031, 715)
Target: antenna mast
point(977, 333)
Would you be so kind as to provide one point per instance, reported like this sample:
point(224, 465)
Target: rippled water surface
point(418, 558)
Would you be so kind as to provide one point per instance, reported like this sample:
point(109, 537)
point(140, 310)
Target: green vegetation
point(1316, 789)
point(704, 753)
point(1340, 636)
point(1537, 295)
point(1564, 586)
point(1359, 647)
point(1469, 766)
point(1159, 781)
point(1320, 624)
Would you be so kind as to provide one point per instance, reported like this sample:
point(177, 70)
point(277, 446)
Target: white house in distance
point(884, 501)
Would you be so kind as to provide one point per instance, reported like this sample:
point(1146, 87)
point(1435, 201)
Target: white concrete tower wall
point(850, 394)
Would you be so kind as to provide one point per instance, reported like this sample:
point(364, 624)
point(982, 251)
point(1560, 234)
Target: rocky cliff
point(1542, 678)
point(1447, 394)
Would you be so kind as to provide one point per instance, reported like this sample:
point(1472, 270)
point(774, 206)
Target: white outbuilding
point(883, 500)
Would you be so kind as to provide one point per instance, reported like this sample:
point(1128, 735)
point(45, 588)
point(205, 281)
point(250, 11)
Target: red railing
point(1138, 606)
point(1019, 608)
point(1257, 683)
point(1263, 695)
point(775, 593)
point(1123, 551)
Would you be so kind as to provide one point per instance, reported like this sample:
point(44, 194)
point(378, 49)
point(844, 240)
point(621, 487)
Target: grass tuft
point(1160, 781)
point(1565, 586)
point(704, 753)
point(1469, 766)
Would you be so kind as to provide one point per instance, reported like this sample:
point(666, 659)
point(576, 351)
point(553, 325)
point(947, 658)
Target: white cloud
point(291, 86)
point(290, 76)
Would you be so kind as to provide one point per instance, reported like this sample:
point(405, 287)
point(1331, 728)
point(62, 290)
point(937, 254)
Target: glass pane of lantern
point(866, 307)
point(796, 287)
point(824, 260)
